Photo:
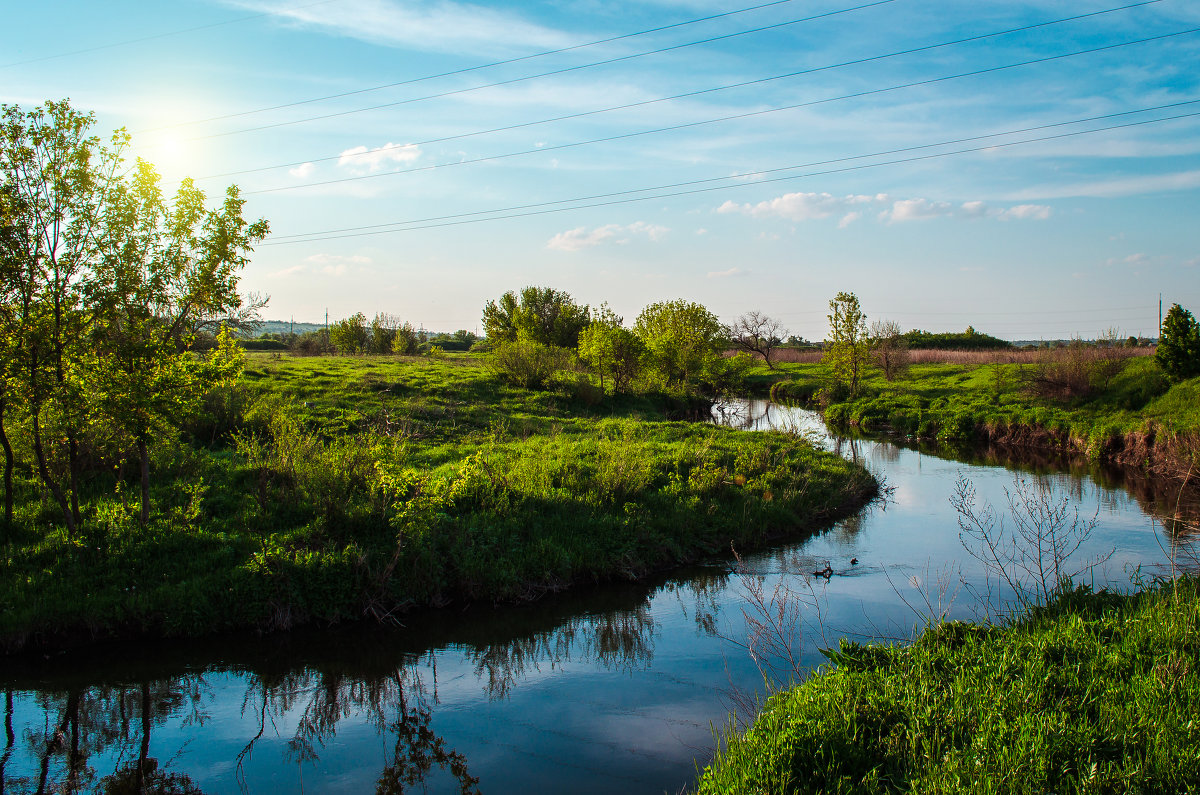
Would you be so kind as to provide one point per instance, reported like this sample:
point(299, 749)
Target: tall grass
point(1094, 692)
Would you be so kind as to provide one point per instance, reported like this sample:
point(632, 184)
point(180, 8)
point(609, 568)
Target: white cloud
point(974, 209)
point(303, 170)
point(801, 206)
point(726, 274)
point(1025, 212)
point(292, 271)
point(580, 238)
point(369, 161)
point(916, 209)
point(848, 219)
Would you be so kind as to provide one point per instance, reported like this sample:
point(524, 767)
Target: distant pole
point(327, 329)
point(1160, 316)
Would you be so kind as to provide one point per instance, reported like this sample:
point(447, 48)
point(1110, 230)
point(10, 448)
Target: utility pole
point(1160, 316)
point(327, 329)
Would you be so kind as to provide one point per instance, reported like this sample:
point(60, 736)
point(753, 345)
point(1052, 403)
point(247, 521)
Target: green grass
point(956, 402)
point(328, 489)
point(1096, 693)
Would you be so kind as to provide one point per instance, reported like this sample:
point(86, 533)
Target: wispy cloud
point(1114, 188)
point(802, 206)
point(726, 274)
point(337, 264)
point(426, 26)
point(850, 208)
point(363, 160)
point(303, 170)
point(581, 237)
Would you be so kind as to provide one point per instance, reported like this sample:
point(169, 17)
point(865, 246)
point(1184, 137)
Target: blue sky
point(840, 176)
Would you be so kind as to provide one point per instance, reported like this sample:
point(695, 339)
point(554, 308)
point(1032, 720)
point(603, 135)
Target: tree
point(891, 349)
point(350, 335)
point(539, 314)
point(611, 349)
point(405, 341)
point(757, 333)
point(848, 349)
point(163, 269)
point(1178, 352)
point(55, 178)
point(683, 340)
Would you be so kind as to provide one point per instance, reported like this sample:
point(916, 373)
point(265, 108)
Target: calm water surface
point(614, 689)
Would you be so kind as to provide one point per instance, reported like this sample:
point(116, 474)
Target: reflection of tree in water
point(397, 704)
point(615, 639)
point(80, 723)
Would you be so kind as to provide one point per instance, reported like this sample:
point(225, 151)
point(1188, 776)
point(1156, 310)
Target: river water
point(611, 689)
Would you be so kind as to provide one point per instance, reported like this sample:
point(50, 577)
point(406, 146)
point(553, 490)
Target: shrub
point(529, 364)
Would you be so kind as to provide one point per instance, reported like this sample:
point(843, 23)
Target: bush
point(529, 364)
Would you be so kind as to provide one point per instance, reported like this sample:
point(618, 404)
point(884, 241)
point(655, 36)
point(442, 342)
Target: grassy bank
point(1137, 418)
point(327, 489)
point(1094, 693)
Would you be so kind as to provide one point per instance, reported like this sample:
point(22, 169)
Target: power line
point(761, 182)
point(552, 73)
point(467, 69)
point(759, 173)
point(164, 35)
point(734, 117)
point(689, 94)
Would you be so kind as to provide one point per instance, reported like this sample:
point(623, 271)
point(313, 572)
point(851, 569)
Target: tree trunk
point(144, 750)
point(144, 456)
point(44, 471)
point(9, 462)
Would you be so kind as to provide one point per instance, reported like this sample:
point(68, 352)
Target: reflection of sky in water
point(617, 693)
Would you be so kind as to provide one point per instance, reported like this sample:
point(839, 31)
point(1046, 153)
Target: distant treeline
point(969, 340)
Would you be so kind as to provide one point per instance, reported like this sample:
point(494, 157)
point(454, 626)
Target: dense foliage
point(1178, 351)
point(969, 340)
point(105, 284)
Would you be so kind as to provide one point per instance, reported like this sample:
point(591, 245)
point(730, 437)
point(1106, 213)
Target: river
point(610, 689)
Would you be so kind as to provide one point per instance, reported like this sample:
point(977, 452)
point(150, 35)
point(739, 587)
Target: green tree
point(55, 177)
point(405, 341)
point(539, 314)
point(683, 341)
point(1178, 352)
point(611, 349)
point(350, 335)
point(164, 268)
point(848, 349)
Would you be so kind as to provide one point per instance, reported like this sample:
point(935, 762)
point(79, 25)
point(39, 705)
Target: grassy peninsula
point(331, 488)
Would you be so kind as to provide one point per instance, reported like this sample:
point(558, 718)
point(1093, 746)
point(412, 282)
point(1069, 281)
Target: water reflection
point(592, 691)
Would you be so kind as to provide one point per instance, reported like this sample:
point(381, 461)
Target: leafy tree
point(405, 341)
point(163, 269)
point(848, 350)
point(756, 333)
point(539, 314)
point(1178, 352)
point(683, 340)
point(891, 349)
point(611, 349)
point(350, 335)
point(55, 177)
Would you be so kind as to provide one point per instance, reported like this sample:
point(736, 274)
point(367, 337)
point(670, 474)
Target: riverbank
point(1137, 419)
point(330, 489)
point(1095, 692)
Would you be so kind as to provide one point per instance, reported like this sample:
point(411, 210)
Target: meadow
point(1125, 412)
point(335, 488)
